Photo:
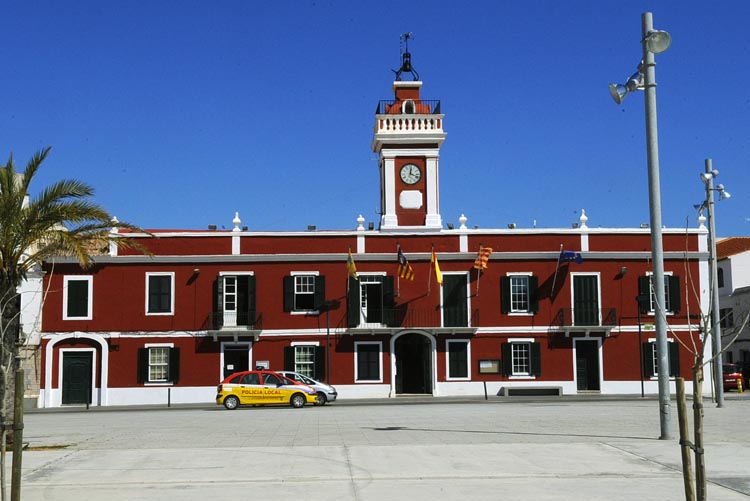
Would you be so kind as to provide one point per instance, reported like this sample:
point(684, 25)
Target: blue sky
point(180, 113)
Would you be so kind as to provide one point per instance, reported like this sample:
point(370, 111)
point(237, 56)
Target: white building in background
point(733, 255)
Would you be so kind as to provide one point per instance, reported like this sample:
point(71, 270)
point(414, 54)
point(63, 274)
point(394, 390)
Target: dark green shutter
point(320, 292)
point(288, 293)
point(389, 302)
point(174, 365)
point(352, 303)
point(648, 359)
point(533, 298)
point(674, 293)
point(251, 300)
point(507, 363)
point(674, 359)
point(535, 359)
point(289, 358)
point(644, 290)
point(142, 365)
point(320, 363)
point(505, 294)
point(218, 318)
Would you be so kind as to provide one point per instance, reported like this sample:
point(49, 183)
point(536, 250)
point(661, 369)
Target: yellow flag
point(438, 274)
point(350, 266)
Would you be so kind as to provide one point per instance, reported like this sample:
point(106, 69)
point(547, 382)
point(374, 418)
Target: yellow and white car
point(263, 388)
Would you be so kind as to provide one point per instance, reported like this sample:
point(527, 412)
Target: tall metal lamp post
point(654, 42)
point(708, 179)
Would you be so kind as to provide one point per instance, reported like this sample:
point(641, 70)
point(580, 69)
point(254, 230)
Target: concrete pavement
point(548, 449)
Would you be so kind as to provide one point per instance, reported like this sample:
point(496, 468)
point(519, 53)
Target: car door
point(273, 393)
point(251, 391)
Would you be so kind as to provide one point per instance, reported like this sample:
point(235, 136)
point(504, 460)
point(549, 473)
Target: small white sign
point(230, 367)
point(410, 199)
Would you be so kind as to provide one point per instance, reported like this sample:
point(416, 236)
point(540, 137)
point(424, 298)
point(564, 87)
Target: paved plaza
point(555, 448)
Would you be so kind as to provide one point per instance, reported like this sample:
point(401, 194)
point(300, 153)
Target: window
point(308, 359)
point(304, 292)
point(368, 362)
point(370, 301)
point(720, 277)
point(158, 364)
point(458, 354)
point(160, 293)
point(234, 294)
point(518, 293)
point(651, 359)
point(521, 357)
point(726, 318)
point(671, 293)
point(77, 297)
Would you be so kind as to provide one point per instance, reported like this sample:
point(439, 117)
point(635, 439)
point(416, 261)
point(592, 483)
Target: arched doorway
point(413, 354)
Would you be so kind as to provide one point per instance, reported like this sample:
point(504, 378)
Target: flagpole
point(479, 270)
point(552, 292)
point(429, 274)
point(398, 275)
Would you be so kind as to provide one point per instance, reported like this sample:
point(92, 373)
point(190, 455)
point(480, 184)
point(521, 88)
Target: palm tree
point(61, 220)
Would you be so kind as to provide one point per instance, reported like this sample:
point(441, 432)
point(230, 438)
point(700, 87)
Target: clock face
point(410, 174)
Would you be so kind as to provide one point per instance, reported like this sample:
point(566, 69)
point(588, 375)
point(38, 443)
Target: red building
point(553, 310)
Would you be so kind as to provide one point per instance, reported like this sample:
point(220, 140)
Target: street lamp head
point(657, 41)
point(619, 91)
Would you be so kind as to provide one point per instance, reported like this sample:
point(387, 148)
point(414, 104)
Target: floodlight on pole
point(653, 42)
point(708, 179)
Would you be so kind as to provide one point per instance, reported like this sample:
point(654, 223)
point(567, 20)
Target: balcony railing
point(232, 321)
point(409, 107)
point(586, 317)
point(408, 318)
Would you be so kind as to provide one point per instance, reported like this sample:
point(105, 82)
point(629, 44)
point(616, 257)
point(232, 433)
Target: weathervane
point(405, 59)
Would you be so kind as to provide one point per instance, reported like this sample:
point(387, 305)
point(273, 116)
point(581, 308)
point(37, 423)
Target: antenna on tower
point(405, 58)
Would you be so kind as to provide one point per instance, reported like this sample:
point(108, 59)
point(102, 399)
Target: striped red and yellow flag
point(405, 270)
point(480, 263)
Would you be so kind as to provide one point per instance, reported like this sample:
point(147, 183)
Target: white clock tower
point(408, 135)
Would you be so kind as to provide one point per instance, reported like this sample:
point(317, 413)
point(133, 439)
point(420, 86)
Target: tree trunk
point(700, 463)
point(9, 338)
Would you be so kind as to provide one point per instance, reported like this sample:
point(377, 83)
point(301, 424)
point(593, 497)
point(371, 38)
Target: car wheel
point(322, 399)
point(231, 402)
point(298, 400)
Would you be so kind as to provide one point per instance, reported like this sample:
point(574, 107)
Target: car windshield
point(730, 369)
point(306, 380)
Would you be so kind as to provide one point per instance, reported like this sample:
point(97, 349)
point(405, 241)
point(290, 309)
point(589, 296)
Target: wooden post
point(687, 466)
point(15, 479)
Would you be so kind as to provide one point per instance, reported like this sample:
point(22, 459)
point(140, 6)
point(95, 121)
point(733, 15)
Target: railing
point(232, 321)
point(587, 317)
point(409, 107)
point(408, 318)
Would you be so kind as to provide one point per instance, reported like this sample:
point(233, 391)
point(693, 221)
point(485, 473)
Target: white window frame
point(527, 311)
point(148, 347)
point(295, 311)
point(651, 303)
point(521, 375)
point(223, 275)
point(357, 344)
point(655, 355)
point(448, 377)
point(90, 299)
point(170, 274)
point(368, 278)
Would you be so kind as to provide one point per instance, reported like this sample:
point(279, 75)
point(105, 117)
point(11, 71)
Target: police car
point(263, 387)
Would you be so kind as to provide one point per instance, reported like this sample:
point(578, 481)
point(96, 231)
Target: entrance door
point(236, 358)
point(76, 377)
point(454, 301)
point(587, 365)
point(413, 364)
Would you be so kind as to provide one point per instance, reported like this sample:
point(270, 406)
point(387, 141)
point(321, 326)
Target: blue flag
point(568, 256)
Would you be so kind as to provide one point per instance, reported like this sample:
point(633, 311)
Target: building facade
point(410, 307)
point(733, 269)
